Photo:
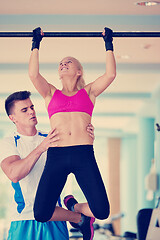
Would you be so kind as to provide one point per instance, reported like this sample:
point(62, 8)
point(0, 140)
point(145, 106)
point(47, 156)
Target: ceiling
point(71, 7)
point(131, 95)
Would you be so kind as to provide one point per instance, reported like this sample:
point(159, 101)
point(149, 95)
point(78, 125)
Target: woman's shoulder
point(91, 95)
point(50, 95)
point(52, 89)
point(88, 88)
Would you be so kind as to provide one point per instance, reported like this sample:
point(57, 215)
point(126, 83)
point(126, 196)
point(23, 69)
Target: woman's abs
point(72, 128)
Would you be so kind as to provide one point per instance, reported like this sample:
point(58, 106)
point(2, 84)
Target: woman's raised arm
point(100, 84)
point(40, 83)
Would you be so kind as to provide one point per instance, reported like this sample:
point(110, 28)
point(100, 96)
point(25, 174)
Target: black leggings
point(61, 161)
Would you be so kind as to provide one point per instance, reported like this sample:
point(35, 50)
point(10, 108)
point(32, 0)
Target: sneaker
point(85, 226)
point(69, 202)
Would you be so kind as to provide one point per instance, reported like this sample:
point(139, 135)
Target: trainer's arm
point(16, 168)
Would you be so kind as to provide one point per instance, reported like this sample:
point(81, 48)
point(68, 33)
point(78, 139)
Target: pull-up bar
point(81, 34)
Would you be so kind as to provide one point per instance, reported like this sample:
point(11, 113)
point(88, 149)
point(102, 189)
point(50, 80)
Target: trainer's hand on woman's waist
point(50, 141)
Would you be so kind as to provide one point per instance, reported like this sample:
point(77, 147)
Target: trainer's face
point(23, 114)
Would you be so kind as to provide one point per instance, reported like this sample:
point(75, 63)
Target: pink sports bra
point(80, 102)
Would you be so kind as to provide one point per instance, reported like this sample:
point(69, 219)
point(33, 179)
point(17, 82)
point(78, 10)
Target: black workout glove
point(37, 37)
point(108, 38)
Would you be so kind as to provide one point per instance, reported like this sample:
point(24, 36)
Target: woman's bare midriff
point(72, 128)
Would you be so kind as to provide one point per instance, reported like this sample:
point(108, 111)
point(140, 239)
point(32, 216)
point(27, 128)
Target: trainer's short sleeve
point(7, 148)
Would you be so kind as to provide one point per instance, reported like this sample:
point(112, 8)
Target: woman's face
point(68, 66)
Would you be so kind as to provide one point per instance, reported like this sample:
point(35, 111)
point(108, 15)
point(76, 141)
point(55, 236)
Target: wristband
point(37, 37)
point(108, 38)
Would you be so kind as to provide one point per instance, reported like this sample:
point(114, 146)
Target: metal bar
point(81, 34)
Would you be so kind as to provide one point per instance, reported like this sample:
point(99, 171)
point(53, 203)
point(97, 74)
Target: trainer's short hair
point(16, 96)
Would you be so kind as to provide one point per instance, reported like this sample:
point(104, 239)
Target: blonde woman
point(70, 111)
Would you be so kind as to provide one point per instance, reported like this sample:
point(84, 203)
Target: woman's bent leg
point(50, 187)
point(91, 183)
